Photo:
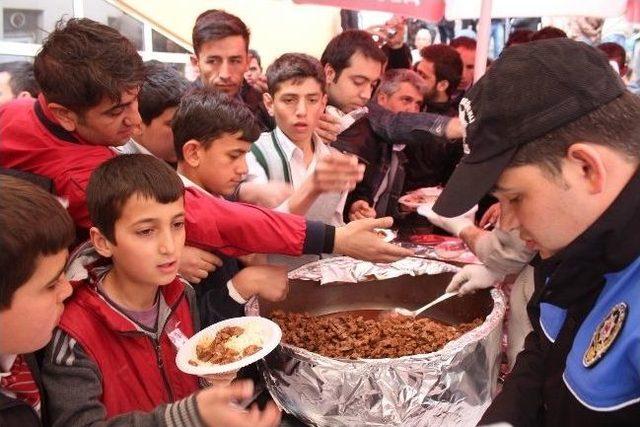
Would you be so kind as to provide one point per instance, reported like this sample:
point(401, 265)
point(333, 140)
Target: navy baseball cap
point(530, 90)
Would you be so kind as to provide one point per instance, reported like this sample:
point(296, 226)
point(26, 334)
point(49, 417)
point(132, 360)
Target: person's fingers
point(210, 258)
point(193, 279)
point(236, 391)
point(467, 289)
point(456, 282)
point(384, 222)
point(388, 252)
point(200, 273)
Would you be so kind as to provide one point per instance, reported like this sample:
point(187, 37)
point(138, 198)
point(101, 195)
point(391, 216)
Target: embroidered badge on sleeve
point(605, 335)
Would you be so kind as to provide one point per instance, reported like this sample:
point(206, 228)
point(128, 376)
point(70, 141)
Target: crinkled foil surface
point(450, 387)
point(350, 270)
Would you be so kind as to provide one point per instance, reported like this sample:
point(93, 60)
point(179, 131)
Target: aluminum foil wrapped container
point(452, 386)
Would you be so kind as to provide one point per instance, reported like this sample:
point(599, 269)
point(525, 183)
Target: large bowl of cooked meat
point(346, 360)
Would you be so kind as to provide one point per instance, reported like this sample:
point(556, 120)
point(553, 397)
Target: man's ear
point(24, 94)
point(442, 85)
point(194, 60)
point(324, 101)
point(67, 118)
point(382, 99)
point(100, 242)
point(329, 73)
point(192, 153)
point(268, 103)
point(590, 166)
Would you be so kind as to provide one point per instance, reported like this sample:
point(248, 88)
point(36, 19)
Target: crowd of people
point(137, 208)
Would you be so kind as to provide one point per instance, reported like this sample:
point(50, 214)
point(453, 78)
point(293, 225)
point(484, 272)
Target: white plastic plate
point(389, 235)
point(271, 339)
point(431, 192)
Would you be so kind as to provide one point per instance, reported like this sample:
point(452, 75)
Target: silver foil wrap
point(350, 270)
point(450, 387)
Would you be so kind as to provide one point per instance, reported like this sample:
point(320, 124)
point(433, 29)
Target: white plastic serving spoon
point(413, 313)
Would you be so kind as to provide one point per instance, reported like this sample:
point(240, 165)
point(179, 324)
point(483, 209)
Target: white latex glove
point(473, 277)
point(453, 225)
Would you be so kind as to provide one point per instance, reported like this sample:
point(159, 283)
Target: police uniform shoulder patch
point(605, 335)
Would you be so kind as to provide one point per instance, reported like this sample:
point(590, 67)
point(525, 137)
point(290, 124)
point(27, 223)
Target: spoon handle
point(438, 300)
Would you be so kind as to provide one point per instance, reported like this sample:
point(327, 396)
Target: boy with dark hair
point(32, 290)
point(221, 53)
point(159, 97)
point(292, 153)
point(17, 81)
point(89, 75)
point(112, 359)
point(212, 164)
point(564, 167)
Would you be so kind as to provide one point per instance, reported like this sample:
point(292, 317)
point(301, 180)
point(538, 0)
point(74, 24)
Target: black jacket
point(431, 165)
point(15, 412)
point(554, 381)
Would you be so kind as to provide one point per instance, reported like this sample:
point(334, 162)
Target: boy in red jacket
point(113, 356)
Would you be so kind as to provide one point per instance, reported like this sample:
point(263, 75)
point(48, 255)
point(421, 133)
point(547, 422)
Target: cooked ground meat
point(215, 351)
point(351, 336)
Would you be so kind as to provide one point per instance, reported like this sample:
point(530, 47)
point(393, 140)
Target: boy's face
point(157, 136)
point(297, 107)
point(353, 88)
point(149, 239)
point(36, 307)
point(222, 64)
point(406, 99)
point(108, 123)
point(221, 167)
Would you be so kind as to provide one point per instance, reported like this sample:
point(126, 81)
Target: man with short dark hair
point(430, 165)
point(221, 53)
point(17, 81)
point(400, 90)
point(89, 103)
point(353, 64)
point(564, 167)
point(466, 47)
point(441, 67)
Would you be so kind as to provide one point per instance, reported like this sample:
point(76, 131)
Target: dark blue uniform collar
point(608, 245)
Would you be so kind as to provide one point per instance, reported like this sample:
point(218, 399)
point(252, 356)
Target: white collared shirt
point(299, 170)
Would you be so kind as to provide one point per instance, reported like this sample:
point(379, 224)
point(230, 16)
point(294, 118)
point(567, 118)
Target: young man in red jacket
point(90, 76)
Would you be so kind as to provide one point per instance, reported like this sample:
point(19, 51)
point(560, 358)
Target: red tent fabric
point(428, 10)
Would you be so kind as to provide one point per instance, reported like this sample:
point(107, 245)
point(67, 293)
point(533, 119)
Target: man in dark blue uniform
point(552, 132)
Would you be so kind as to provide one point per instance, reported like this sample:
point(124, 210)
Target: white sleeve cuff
point(234, 294)
point(283, 207)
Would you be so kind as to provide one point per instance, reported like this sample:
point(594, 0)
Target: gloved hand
point(452, 225)
point(473, 277)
